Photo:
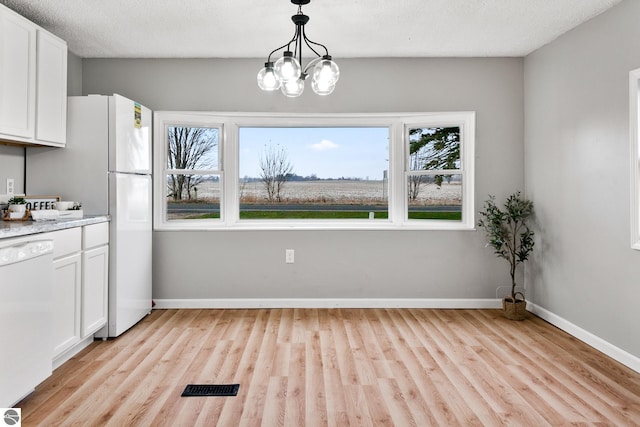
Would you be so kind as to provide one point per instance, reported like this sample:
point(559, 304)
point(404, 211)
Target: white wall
point(336, 264)
point(577, 173)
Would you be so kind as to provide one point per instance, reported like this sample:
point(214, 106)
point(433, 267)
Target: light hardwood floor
point(339, 367)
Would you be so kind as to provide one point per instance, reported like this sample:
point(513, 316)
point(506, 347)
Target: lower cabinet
point(67, 274)
point(67, 288)
point(95, 279)
point(80, 288)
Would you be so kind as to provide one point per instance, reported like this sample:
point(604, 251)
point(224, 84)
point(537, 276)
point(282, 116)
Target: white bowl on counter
point(64, 205)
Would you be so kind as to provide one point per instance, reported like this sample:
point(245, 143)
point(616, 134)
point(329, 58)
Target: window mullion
point(397, 190)
point(634, 123)
point(193, 171)
point(431, 172)
point(230, 204)
point(467, 154)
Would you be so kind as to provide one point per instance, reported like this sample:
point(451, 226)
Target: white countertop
point(24, 228)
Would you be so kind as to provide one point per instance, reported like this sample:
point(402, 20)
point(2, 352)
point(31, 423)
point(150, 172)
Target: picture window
point(314, 171)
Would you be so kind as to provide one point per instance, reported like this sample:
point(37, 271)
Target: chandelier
point(287, 73)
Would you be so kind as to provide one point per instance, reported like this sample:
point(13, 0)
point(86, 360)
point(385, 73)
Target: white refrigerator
point(106, 165)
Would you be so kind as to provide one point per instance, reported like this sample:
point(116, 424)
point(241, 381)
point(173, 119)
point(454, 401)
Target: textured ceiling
point(354, 28)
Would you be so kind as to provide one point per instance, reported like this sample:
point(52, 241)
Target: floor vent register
point(211, 390)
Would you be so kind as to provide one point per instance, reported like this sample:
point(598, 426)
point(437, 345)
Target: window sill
point(317, 226)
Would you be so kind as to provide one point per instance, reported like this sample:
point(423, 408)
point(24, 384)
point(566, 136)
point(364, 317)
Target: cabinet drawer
point(95, 235)
point(65, 242)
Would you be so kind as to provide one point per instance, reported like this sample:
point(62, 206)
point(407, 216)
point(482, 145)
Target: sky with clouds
point(325, 152)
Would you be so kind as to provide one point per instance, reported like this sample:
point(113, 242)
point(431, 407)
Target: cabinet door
point(17, 76)
point(51, 105)
point(67, 275)
point(95, 280)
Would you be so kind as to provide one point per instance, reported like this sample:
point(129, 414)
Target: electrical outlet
point(289, 256)
point(10, 187)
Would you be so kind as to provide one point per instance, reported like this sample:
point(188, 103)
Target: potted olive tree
point(510, 237)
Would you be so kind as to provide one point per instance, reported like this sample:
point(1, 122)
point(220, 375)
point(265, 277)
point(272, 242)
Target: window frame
point(160, 154)
point(229, 159)
point(466, 125)
point(634, 134)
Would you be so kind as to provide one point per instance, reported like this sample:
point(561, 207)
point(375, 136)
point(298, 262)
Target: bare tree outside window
point(432, 149)
point(190, 148)
point(274, 169)
point(415, 180)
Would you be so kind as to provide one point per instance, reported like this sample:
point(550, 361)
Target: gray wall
point(74, 74)
point(11, 166)
point(336, 264)
point(577, 173)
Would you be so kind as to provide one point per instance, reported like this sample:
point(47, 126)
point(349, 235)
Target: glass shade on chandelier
point(325, 76)
point(267, 79)
point(288, 75)
point(322, 88)
point(293, 88)
point(287, 68)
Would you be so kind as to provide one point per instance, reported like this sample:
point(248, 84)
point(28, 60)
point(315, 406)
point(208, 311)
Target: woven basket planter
point(514, 310)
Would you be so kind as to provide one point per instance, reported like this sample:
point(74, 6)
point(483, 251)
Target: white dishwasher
point(26, 281)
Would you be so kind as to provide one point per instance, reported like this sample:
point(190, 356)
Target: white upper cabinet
point(51, 93)
point(17, 77)
point(33, 83)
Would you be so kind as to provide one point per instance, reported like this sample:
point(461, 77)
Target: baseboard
point(68, 354)
point(329, 303)
point(594, 341)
